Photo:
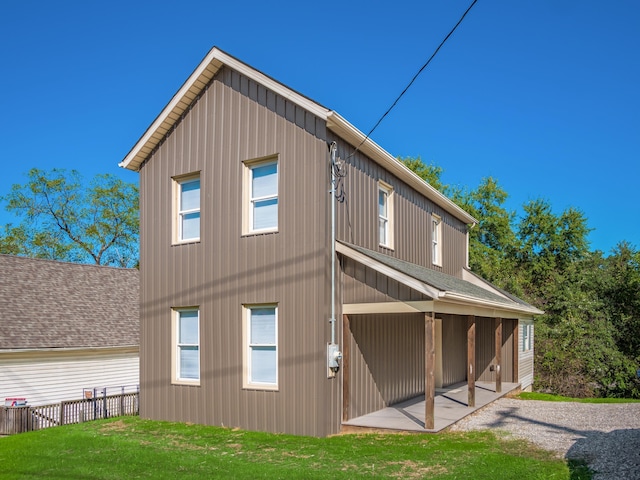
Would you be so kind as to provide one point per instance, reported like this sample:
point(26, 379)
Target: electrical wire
point(414, 78)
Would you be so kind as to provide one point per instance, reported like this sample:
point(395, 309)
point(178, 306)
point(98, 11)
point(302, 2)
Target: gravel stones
point(605, 435)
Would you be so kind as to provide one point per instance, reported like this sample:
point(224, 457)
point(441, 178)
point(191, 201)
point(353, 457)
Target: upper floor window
point(436, 240)
point(261, 346)
point(186, 346)
point(187, 208)
point(262, 196)
point(385, 215)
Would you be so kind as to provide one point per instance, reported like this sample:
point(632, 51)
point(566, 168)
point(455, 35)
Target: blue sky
point(543, 95)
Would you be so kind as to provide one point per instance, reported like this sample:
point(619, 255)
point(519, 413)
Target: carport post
point(346, 366)
point(471, 360)
point(498, 325)
point(429, 370)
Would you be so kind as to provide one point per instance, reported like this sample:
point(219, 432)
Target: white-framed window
point(527, 337)
point(186, 346)
point(261, 346)
point(436, 240)
point(187, 208)
point(261, 197)
point(385, 215)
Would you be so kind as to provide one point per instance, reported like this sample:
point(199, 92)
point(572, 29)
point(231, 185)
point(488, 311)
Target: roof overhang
point(206, 71)
point(442, 301)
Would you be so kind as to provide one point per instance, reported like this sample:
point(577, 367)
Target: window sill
point(260, 232)
point(186, 383)
point(185, 242)
point(256, 387)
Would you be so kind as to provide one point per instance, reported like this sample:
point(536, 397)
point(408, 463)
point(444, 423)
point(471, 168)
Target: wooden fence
point(26, 419)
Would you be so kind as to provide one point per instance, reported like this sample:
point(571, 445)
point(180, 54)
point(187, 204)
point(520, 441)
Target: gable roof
point(48, 304)
point(204, 74)
point(437, 285)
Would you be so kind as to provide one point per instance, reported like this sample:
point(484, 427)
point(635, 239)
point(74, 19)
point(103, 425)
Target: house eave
point(341, 127)
point(189, 91)
point(30, 352)
point(443, 301)
point(209, 67)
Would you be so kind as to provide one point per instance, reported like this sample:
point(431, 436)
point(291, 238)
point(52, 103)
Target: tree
point(619, 287)
point(65, 219)
point(429, 173)
point(588, 340)
point(492, 242)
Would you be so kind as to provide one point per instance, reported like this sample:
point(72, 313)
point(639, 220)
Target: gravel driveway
point(606, 436)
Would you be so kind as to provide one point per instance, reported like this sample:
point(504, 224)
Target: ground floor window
point(261, 346)
point(186, 346)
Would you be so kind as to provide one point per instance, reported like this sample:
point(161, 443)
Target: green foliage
point(587, 344)
point(492, 242)
point(134, 448)
point(432, 174)
point(65, 219)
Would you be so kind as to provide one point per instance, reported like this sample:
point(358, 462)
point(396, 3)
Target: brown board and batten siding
point(235, 120)
point(454, 349)
point(387, 361)
point(362, 284)
point(412, 213)
point(486, 350)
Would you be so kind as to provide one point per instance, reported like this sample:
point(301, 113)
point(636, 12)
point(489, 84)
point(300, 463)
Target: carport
point(411, 332)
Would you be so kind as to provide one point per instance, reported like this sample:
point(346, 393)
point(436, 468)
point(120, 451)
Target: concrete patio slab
point(450, 407)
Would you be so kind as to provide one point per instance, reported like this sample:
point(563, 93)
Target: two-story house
point(242, 320)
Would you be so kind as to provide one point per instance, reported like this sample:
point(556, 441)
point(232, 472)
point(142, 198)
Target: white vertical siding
point(44, 378)
point(525, 360)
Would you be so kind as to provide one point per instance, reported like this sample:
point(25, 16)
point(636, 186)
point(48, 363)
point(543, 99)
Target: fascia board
point(351, 134)
point(443, 307)
point(387, 307)
point(514, 308)
point(77, 351)
point(429, 306)
point(389, 272)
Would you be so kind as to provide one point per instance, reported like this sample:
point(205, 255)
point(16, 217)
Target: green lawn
point(547, 397)
point(129, 447)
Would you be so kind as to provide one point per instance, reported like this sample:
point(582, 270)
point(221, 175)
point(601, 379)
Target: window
point(385, 215)
point(436, 240)
point(186, 341)
point(262, 196)
point(261, 349)
point(187, 206)
point(527, 333)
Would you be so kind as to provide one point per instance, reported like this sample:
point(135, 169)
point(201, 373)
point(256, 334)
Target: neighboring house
point(236, 262)
point(66, 327)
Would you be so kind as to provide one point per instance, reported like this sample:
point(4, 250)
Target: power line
point(415, 77)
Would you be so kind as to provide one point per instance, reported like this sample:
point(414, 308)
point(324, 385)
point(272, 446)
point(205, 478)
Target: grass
point(130, 447)
point(547, 397)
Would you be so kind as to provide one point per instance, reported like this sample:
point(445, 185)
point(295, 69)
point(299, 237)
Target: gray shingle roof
point(50, 304)
point(442, 281)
